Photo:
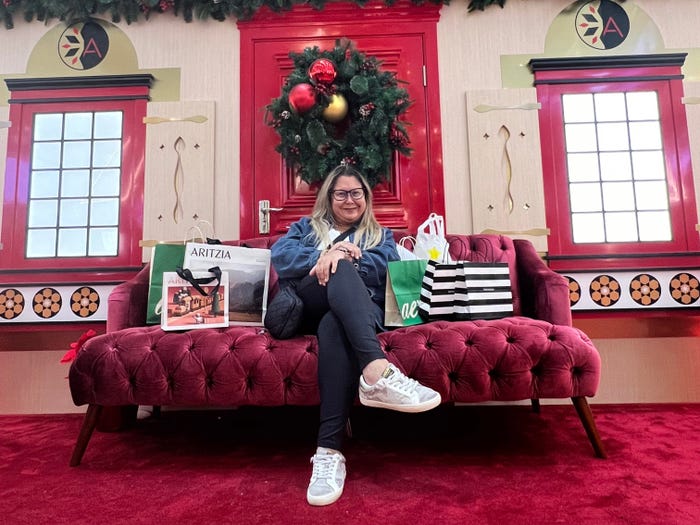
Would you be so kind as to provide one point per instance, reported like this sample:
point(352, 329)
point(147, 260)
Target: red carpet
point(463, 465)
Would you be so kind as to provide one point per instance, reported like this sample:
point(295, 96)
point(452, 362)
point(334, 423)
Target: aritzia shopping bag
point(248, 272)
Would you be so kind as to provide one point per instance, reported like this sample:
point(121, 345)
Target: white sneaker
point(396, 391)
point(327, 478)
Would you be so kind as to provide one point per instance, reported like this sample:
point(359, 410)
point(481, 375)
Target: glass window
point(75, 184)
point(620, 134)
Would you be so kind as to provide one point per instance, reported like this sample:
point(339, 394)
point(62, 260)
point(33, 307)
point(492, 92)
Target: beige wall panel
point(470, 46)
point(505, 164)
point(649, 370)
point(179, 186)
point(207, 54)
point(35, 383)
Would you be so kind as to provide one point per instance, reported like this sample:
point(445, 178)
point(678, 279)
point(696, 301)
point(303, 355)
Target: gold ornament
point(337, 109)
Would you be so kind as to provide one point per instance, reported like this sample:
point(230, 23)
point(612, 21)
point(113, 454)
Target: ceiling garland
point(132, 10)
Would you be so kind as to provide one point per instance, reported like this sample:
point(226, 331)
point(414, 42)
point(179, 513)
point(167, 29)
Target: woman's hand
point(328, 261)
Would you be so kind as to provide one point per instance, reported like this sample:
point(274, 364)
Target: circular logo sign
point(83, 45)
point(602, 24)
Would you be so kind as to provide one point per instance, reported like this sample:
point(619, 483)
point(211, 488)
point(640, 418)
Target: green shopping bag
point(164, 258)
point(403, 285)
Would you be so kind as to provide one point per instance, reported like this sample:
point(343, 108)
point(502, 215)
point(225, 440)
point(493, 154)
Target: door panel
point(415, 186)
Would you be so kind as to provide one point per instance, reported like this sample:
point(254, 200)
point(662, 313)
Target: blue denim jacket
point(297, 252)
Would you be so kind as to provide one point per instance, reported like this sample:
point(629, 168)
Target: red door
point(407, 47)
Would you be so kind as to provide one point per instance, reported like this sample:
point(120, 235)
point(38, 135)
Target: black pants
point(345, 319)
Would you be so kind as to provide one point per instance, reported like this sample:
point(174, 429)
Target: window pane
point(108, 125)
point(46, 155)
point(78, 126)
point(645, 135)
point(651, 195)
point(648, 165)
point(74, 212)
point(74, 196)
point(642, 105)
point(610, 107)
point(107, 153)
point(43, 184)
point(654, 226)
point(615, 166)
point(588, 227)
point(48, 126)
point(103, 241)
point(585, 197)
point(104, 212)
point(583, 167)
point(105, 183)
point(618, 196)
point(76, 183)
point(42, 213)
point(612, 137)
point(76, 154)
point(41, 243)
point(621, 227)
point(72, 242)
point(580, 137)
point(578, 108)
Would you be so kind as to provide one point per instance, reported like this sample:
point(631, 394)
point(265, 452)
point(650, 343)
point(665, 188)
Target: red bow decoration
point(75, 347)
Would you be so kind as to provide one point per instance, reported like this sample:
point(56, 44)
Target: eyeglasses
point(356, 194)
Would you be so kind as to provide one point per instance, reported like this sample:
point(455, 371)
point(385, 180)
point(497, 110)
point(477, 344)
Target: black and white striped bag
point(437, 295)
point(483, 291)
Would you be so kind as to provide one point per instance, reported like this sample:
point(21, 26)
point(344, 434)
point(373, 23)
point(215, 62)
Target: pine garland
point(132, 10)
point(366, 138)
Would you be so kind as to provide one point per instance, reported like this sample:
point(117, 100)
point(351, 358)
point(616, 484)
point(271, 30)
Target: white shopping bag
point(430, 240)
point(248, 272)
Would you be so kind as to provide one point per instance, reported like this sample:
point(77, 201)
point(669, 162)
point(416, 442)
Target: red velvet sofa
point(533, 355)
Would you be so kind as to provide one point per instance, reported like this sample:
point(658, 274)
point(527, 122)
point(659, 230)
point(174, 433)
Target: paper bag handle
point(186, 274)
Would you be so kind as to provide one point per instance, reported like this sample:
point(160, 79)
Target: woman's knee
point(329, 328)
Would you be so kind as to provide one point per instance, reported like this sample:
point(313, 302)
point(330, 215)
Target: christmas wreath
point(338, 106)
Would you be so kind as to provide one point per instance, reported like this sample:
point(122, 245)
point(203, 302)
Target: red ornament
point(322, 71)
point(302, 98)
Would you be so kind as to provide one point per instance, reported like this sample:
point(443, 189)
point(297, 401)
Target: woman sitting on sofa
point(338, 259)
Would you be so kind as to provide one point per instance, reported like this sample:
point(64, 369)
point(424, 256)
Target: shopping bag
point(406, 254)
point(248, 272)
point(403, 288)
point(483, 292)
point(194, 300)
point(164, 258)
point(430, 240)
point(167, 256)
point(437, 297)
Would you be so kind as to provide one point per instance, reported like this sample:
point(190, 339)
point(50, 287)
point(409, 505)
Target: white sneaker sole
point(320, 501)
point(412, 409)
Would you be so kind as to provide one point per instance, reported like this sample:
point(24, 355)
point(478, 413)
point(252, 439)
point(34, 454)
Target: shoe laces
point(324, 465)
point(402, 382)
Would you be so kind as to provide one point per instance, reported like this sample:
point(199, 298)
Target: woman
point(338, 258)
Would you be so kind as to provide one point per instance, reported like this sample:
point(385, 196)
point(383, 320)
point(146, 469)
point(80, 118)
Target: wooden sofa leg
point(89, 422)
point(586, 417)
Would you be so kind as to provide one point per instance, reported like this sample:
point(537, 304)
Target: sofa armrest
point(127, 304)
point(544, 293)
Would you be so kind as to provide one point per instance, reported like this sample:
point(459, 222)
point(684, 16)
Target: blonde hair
point(369, 232)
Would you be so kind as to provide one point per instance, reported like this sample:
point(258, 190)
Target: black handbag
point(284, 313)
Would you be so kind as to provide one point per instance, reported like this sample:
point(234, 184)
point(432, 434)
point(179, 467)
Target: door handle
point(264, 216)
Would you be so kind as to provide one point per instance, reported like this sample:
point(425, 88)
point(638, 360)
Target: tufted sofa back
point(127, 302)
point(474, 248)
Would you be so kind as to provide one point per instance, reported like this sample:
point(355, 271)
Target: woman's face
point(348, 211)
